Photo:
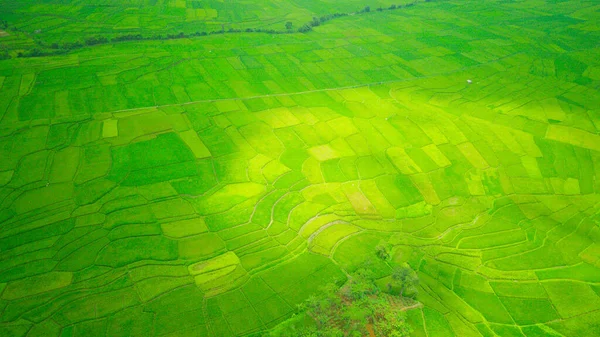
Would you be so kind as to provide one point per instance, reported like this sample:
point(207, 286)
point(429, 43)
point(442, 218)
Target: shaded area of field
point(190, 188)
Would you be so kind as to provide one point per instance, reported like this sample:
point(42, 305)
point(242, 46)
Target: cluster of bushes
point(359, 305)
point(4, 53)
point(347, 311)
point(317, 21)
point(94, 40)
point(130, 37)
point(55, 48)
point(38, 52)
point(367, 9)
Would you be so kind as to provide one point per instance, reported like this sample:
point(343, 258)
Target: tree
point(4, 54)
point(367, 9)
point(392, 323)
point(331, 294)
point(314, 307)
point(404, 282)
point(383, 250)
point(304, 29)
point(94, 40)
point(127, 37)
point(288, 25)
point(360, 285)
point(355, 317)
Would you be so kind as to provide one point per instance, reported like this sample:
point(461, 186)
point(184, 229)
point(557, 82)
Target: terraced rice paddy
point(206, 186)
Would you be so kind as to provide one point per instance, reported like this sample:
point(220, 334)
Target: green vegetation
point(182, 15)
point(357, 309)
point(186, 168)
point(362, 305)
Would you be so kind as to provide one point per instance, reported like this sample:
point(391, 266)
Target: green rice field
point(208, 185)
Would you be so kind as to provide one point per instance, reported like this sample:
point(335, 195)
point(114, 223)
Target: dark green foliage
point(128, 37)
point(305, 28)
point(392, 323)
point(404, 282)
point(351, 310)
point(360, 285)
point(94, 40)
point(4, 55)
point(383, 250)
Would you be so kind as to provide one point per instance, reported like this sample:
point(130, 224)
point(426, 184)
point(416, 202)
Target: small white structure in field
point(469, 81)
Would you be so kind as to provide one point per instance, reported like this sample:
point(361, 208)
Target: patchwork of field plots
point(189, 188)
point(69, 21)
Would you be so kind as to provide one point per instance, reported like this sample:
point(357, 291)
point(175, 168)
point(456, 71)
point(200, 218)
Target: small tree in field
point(288, 25)
point(404, 281)
point(383, 250)
point(315, 22)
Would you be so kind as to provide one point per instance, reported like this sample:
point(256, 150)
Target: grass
point(207, 185)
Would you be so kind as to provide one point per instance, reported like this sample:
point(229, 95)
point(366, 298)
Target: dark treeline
point(4, 55)
point(44, 49)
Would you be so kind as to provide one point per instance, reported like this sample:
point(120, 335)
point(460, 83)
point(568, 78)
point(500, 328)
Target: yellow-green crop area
point(206, 186)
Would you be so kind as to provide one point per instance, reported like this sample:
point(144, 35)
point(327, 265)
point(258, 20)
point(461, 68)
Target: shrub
point(94, 40)
point(304, 29)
